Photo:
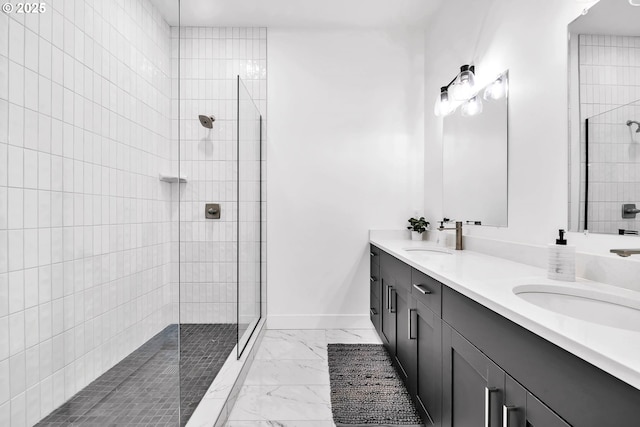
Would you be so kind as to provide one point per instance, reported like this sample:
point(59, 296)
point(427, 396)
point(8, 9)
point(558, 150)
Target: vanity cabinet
point(579, 393)
point(465, 365)
point(478, 393)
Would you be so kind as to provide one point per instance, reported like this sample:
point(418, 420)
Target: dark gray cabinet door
point(405, 346)
point(388, 314)
point(472, 384)
point(522, 409)
point(426, 326)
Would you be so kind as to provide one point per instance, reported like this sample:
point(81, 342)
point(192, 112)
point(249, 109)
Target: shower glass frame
point(249, 207)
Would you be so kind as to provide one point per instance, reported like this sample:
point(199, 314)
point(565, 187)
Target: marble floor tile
point(287, 345)
point(288, 372)
point(352, 336)
point(281, 423)
point(265, 403)
point(288, 384)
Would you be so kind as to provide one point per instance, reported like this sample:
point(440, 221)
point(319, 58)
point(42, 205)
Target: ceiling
point(298, 13)
point(613, 17)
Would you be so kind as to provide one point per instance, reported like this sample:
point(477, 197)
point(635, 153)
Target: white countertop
point(490, 281)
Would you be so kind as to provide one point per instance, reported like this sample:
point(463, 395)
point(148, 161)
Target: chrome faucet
point(458, 229)
point(625, 252)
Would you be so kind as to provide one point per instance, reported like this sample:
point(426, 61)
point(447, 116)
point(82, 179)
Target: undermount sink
point(442, 251)
point(584, 304)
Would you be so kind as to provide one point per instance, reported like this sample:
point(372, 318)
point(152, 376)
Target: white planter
point(416, 236)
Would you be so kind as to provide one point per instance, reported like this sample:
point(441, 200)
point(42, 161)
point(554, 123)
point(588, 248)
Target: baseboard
point(319, 321)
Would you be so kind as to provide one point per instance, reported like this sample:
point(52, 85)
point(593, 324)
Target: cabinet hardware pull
point(372, 254)
point(373, 311)
point(372, 279)
point(422, 289)
point(389, 298)
point(391, 292)
point(506, 413)
point(487, 405)
point(412, 331)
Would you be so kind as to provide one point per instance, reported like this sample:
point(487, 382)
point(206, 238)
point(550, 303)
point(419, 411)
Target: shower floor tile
point(144, 388)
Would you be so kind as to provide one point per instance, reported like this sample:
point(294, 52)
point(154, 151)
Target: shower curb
point(217, 403)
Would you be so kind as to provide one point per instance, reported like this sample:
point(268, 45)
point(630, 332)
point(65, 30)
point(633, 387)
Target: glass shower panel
point(609, 170)
point(249, 142)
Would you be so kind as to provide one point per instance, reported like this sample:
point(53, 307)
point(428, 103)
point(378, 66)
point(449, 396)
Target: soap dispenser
point(562, 260)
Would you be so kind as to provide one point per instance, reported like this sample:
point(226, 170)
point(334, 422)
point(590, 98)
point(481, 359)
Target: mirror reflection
point(475, 162)
point(604, 70)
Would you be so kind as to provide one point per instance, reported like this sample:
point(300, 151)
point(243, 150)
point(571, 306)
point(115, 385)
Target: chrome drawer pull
point(506, 413)
point(422, 289)
point(412, 325)
point(487, 405)
point(373, 311)
point(372, 279)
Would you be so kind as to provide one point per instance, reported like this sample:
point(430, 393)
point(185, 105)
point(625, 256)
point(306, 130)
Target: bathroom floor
point(288, 383)
point(143, 389)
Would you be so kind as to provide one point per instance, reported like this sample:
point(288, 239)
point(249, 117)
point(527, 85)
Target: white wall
point(529, 39)
point(84, 221)
point(344, 153)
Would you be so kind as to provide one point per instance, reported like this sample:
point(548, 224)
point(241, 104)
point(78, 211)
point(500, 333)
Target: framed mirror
point(475, 163)
point(604, 107)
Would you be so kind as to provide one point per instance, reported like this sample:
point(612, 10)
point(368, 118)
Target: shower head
point(207, 121)
point(633, 122)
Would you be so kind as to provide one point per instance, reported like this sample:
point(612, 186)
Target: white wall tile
point(5, 390)
point(87, 133)
point(16, 41)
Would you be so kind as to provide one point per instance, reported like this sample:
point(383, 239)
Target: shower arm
point(633, 122)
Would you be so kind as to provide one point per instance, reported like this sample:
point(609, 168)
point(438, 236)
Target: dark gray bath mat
point(366, 390)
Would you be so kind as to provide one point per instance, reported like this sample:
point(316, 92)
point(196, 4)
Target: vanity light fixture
point(461, 88)
point(464, 85)
point(472, 107)
point(497, 90)
point(444, 105)
point(634, 2)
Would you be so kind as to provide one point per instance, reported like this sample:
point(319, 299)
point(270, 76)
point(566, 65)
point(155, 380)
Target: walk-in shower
point(120, 298)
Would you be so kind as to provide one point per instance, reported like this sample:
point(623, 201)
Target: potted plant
point(417, 227)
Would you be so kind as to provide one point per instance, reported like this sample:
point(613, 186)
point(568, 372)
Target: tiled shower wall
point(84, 221)
point(609, 78)
point(210, 60)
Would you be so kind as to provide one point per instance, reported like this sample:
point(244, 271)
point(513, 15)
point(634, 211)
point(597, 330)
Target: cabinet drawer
point(374, 255)
point(374, 311)
point(396, 270)
point(374, 284)
point(426, 290)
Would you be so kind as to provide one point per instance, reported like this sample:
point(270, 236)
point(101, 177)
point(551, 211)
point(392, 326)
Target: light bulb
point(634, 2)
point(443, 106)
point(464, 85)
point(472, 107)
point(496, 90)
